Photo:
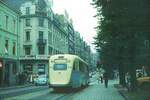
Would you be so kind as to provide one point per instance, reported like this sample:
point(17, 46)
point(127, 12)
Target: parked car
point(144, 82)
point(41, 80)
point(139, 73)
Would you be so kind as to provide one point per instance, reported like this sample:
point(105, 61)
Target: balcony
point(41, 41)
point(41, 13)
point(27, 43)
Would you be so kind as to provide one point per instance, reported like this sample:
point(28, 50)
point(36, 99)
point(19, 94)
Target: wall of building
point(9, 35)
point(58, 37)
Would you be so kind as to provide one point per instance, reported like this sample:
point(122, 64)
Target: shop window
point(41, 69)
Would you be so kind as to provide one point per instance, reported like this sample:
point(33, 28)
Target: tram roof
point(71, 56)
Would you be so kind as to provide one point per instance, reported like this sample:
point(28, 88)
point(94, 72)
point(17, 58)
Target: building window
point(14, 23)
point(27, 50)
point(41, 22)
point(50, 37)
point(6, 46)
point(28, 22)
point(14, 48)
point(40, 34)
point(27, 36)
point(27, 10)
point(50, 50)
point(41, 50)
point(6, 22)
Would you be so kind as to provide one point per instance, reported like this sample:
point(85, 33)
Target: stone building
point(9, 44)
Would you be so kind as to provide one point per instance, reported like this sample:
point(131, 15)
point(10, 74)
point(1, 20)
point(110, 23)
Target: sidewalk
point(99, 92)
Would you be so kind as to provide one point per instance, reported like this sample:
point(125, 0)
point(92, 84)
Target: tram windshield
point(60, 66)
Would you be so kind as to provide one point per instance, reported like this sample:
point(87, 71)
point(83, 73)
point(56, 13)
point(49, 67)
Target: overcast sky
point(82, 14)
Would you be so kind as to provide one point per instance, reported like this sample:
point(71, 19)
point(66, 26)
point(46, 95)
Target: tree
point(120, 22)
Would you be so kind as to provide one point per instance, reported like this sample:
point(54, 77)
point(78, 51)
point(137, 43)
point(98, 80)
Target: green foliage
point(120, 23)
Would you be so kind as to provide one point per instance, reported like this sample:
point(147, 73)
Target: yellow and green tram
point(66, 70)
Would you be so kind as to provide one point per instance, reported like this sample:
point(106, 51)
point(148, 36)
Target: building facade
point(71, 38)
point(43, 34)
point(9, 42)
point(60, 34)
point(82, 49)
point(77, 43)
point(31, 35)
point(35, 34)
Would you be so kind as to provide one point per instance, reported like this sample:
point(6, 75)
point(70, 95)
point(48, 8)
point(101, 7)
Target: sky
point(81, 12)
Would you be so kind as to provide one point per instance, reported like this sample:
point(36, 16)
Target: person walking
point(101, 78)
point(105, 76)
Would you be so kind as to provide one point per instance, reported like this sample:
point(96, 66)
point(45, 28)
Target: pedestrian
point(20, 78)
point(105, 76)
point(101, 78)
point(17, 78)
point(128, 81)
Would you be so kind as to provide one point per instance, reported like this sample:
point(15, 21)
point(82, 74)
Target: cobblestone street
point(99, 92)
point(94, 92)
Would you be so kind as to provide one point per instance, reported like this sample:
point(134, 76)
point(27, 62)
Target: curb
point(121, 90)
point(122, 94)
point(16, 87)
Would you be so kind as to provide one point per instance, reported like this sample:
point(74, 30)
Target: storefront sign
point(1, 65)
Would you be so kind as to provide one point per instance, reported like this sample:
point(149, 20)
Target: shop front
point(8, 72)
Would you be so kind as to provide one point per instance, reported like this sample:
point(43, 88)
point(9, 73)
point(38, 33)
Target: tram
point(66, 70)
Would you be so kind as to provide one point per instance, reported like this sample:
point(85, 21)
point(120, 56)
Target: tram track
point(64, 97)
point(69, 94)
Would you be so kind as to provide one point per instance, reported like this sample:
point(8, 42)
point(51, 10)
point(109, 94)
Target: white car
point(41, 80)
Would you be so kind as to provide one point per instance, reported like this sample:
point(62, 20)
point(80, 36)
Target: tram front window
point(60, 66)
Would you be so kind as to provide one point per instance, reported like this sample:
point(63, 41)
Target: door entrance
point(6, 76)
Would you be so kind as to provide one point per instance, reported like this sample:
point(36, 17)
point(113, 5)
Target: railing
point(41, 41)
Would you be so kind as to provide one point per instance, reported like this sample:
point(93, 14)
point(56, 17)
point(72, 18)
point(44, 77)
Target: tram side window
point(75, 66)
point(86, 68)
point(81, 67)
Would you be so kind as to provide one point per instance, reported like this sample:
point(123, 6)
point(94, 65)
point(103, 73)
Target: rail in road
point(20, 91)
point(64, 97)
point(46, 94)
point(58, 95)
